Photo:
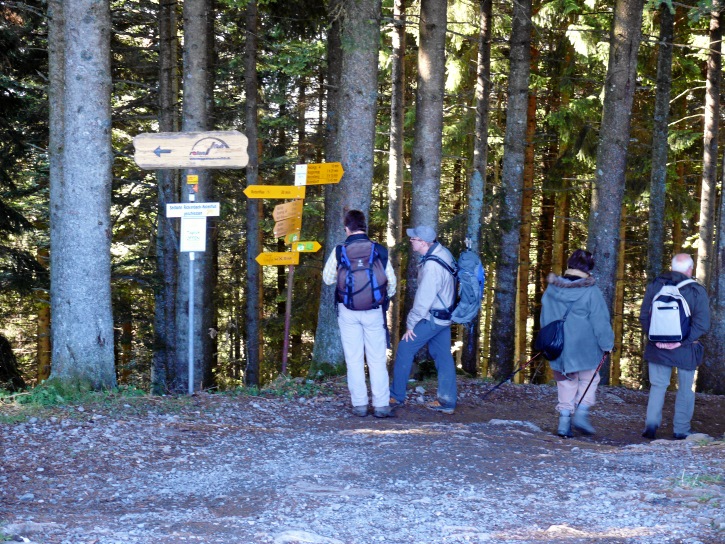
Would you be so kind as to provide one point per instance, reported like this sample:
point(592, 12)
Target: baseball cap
point(426, 234)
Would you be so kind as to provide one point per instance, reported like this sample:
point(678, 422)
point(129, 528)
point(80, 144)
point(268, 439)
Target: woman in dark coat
point(588, 335)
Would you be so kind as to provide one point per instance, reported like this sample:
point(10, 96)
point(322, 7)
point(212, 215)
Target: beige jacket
point(434, 281)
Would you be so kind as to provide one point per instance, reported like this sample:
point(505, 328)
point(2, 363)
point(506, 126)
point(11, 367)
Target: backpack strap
point(685, 282)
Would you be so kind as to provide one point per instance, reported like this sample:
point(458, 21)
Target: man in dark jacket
point(685, 355)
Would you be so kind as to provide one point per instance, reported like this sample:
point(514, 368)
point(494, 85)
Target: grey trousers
point(659, 377)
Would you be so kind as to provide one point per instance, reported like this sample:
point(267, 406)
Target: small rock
point(420, 389)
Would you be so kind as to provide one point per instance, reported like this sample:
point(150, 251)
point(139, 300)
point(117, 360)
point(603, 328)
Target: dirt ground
point(217, 468)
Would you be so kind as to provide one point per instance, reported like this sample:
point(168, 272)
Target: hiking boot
point(680, 436)
point(581, 420)
point(360, 411)
point(395, 403)
point(650, 431)
point(564, 429)
point(382, 411)
point(437, 407)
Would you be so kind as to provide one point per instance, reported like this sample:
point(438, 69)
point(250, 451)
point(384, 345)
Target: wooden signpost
point(180, 150)
point(288, 223)
point(285, 211)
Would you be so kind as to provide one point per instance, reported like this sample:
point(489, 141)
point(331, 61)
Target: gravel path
point(216, 469)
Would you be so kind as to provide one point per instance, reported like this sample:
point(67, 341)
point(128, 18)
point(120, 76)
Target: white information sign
point(193, 234)
point(192, 209)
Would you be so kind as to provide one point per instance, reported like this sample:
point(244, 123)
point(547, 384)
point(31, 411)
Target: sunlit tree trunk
point(504, 316)
point(711, 374)
point(355, 144)
point(195, 118)
point(708, 195)
point(477, 182)
point(396, 162)
point(608, 190)
point(658, 178)
point(81, 242)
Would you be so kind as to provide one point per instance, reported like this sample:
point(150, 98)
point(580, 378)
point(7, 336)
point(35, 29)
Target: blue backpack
point(470, 281)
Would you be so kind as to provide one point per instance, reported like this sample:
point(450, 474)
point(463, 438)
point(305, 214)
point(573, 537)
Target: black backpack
point(361, 280)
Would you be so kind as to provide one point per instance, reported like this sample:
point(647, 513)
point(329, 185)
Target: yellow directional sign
point(220, 149)
point(318, 173)
point(275, 191)
point(292, 237)
point(306, 247)
point(271, 258)
point(286, 226)
point(289, 209)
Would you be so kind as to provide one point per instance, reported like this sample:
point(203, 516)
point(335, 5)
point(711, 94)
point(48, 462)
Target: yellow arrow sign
point(275, 191)
point(271, 258)
point(289, 209)
point(318, 173)
point(306, 247)
point(286, 226)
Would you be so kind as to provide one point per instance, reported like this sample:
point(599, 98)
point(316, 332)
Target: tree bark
point(522, 314)
point(477, 182)
point(80, 211)
point(396, 162)
point(658, 178)
point(355, 144)
point(708, 195)
point(503, 338)
point(254, 350)
point(608, 190)
point(167, 242)
point(195, 118)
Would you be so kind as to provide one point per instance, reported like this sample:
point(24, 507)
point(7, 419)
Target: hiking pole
point(507, 378)
point(590, 381)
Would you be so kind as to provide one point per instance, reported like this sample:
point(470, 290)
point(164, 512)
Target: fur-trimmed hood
point(566, 283)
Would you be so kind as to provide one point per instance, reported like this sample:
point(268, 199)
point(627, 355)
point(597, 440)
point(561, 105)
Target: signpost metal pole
point(287, 318)
point(191, 323)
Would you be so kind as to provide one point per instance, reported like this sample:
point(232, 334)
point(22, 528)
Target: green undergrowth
point(286, 387)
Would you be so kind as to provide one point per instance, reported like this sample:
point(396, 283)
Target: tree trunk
point(658, 179)
point(708, 195)
point(470, 354)
point(81, 200)
point(355, 144)
point(503, 338)
point(618, 317)
point(427, 148)
point(608, 190)
point(195, 118)
point(711, 374)
point(254, 212)
point(396, 162)
point(522, 291)
point(167, 243)
point(43, 331)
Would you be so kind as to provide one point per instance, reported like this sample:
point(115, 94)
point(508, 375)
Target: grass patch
point(693, 481)
point(286, 387)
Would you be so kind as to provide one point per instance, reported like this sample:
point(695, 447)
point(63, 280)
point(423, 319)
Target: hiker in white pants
point(365, 282)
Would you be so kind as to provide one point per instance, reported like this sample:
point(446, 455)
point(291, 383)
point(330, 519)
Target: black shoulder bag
point(550, 340)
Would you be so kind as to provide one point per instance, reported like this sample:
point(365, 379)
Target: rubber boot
point(564, 429)
point(581, 420)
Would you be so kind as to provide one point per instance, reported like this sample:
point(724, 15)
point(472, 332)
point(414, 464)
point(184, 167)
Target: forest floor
point(240, 469)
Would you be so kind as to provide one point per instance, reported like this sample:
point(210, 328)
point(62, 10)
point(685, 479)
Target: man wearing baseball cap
point(429, 321)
